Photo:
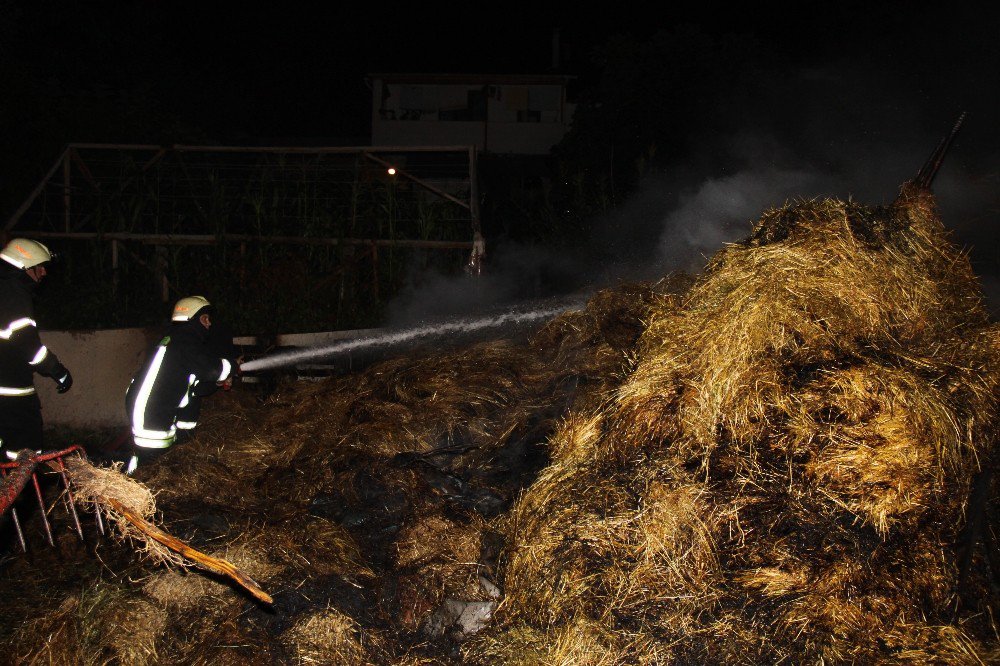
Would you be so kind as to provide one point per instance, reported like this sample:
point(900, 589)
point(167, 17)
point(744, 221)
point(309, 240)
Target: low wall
point(102, 363)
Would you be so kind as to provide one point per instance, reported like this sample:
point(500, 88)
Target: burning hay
point(770, 464)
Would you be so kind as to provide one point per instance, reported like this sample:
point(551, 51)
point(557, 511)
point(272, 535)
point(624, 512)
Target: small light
point(392, 171)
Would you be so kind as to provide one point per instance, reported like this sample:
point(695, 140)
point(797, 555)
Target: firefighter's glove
point(64, 381)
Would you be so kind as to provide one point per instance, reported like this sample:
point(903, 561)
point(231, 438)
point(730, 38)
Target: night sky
point(859, 92)
point(254, 70)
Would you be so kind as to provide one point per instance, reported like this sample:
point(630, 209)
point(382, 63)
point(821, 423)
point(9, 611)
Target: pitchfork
point(14, 476)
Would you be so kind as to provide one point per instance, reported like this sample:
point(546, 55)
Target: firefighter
point(21, 351)
point(164, 398)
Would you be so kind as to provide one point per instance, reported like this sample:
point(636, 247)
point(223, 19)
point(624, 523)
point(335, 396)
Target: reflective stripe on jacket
point(163, 385)
point(22, 353)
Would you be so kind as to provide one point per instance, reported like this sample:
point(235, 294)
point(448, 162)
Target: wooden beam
point(274, 149)
point(208, 239)
point(421, 183)
point(473, 190)
point(115, 146)
point(13, 219)
point(121, 188)
point(84, 169)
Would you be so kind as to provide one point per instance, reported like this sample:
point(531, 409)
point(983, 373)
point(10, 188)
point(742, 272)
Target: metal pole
point(486, 118)
point(44, 512)
point(473, 190)
point(69, 498)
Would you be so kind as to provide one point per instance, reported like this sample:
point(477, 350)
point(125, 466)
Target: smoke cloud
point(852, 134)
point(668, 227)
point(719, 212)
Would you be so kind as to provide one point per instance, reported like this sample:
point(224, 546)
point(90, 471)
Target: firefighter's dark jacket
point(180, 365)
point(21, 351)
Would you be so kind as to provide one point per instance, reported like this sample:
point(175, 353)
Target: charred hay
point(365, 501)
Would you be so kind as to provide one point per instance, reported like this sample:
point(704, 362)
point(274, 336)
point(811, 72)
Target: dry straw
point(783, 474)
point(327, 637)
point(102, 487)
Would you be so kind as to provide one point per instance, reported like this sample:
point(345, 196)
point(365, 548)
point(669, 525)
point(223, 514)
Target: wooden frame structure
point(175, 195)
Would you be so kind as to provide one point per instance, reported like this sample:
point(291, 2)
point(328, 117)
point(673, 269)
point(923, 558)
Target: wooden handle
point(213, 564)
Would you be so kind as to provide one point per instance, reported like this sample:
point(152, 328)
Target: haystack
point(783, 475)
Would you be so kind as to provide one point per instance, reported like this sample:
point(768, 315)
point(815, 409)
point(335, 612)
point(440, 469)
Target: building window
point(544, 103)
point(416, 102)
point(477, 104)
point(474, 109)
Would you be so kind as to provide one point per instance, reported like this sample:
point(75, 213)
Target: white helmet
point(186, 308)
point(24, 253)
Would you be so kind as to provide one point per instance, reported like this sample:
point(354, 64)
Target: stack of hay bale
point(783, 475)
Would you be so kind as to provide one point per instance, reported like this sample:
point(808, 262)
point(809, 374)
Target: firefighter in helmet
point(21, 351)
point(164, 398)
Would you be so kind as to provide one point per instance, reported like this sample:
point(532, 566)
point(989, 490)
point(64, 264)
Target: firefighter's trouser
point(21, 422)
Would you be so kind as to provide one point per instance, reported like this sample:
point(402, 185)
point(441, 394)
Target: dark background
point(690, 120)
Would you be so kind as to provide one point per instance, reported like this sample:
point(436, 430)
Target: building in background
point(499, 114)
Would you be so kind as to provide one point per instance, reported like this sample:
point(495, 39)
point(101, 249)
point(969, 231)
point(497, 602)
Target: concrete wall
point(102, 363)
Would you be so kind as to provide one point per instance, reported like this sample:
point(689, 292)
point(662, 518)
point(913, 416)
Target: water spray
point(392, 339)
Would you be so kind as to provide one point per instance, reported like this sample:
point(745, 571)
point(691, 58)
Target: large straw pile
point(783, 476)
point(768, 465)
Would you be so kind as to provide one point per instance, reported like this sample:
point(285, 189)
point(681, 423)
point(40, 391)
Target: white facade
point(525, 115)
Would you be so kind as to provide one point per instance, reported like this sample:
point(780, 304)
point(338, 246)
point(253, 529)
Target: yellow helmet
point(186, 308)
point(24, 253)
